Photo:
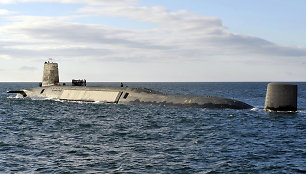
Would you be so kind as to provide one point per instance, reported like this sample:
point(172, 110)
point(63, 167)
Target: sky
point(154, 40)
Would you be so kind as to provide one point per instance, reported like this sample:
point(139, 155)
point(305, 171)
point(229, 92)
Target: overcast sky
point(154, 40)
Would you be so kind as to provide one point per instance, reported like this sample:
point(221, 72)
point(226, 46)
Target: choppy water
point(45, 136)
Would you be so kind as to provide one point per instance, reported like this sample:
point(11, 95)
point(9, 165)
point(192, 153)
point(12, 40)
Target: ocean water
point(47, 136)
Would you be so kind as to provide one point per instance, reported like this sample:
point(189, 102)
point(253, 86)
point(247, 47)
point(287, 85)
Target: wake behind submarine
point(50, 88)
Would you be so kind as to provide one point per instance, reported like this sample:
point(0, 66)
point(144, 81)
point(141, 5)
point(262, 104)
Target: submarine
point(50, 88)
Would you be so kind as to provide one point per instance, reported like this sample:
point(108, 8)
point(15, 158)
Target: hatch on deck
point(78, 82)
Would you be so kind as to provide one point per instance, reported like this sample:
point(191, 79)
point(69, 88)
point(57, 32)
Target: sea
point(51, 136)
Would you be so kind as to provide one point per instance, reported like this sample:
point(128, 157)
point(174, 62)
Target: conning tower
point(50, 76)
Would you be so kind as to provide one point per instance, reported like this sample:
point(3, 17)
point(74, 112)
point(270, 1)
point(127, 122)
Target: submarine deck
point(135, 96)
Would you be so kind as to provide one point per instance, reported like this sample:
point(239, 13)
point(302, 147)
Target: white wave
point(17, 96)
point(39, 98)
point(254, 109)
point(257, 109)
point(215, 167)
point(97, 102)
point(271, 111)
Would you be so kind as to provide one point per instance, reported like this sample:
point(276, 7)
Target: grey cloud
point(283, 51)
point(87, 34)
point(59, 52)
point(246, 45)
point(261, 46)
point(183, 36)
point(156, 14)
point(187, 28)
point(28, 68)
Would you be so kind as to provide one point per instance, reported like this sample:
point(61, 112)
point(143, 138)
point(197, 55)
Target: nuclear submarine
point(50, 88)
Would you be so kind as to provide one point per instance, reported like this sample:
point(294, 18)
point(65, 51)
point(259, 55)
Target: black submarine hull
point(132, 96)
